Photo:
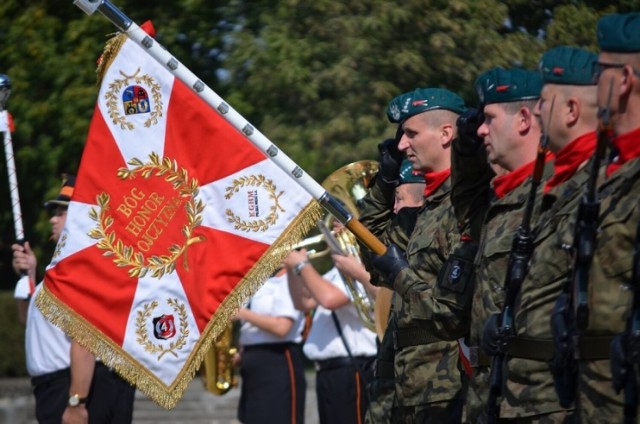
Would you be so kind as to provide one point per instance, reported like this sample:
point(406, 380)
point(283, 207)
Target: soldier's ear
point(525, 119)
point(447, 132)
point(573, 109)
point(628, 80)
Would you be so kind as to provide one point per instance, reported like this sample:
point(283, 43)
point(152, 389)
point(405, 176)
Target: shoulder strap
point(336, 322)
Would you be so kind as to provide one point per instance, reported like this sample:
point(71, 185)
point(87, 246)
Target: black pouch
point(457, 272)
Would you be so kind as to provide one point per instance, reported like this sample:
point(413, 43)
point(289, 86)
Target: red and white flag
point(176, 218)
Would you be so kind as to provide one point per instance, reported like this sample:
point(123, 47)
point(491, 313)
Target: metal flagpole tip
point(5, 90)
point(88, 6)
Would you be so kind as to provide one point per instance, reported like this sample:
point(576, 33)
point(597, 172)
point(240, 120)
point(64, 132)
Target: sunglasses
point(600, 67)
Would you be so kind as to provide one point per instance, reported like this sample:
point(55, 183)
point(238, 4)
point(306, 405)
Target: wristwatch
point(76, 400)
point(298, 267)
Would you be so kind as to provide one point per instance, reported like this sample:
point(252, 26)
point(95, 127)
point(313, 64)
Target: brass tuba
point(217, 368)
point(349, 184)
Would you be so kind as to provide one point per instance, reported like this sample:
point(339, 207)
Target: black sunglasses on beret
point(600, 67)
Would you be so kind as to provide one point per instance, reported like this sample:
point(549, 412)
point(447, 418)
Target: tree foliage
point(314, 77)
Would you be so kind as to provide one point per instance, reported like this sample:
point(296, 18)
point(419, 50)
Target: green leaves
point(314, 77)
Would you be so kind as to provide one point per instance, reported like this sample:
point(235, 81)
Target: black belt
point(590, 348)
point(593, 348)
point(342, 362)
point(406, 337)
point(530, 348)
point(278, 347)
point(46, 378)
point(63, 373)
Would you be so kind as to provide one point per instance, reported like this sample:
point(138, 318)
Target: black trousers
point(273, 386)
point(110, 398)
point(341, 391)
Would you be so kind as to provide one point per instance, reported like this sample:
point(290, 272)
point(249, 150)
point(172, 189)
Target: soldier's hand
point(24, 260)
point(491, 336)
point(390, 264)
point(390, 159)
point(469, 142)
point(619, 363)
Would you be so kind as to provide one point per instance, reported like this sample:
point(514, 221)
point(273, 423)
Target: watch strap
point(297, 269)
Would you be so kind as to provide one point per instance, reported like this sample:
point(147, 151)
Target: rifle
point(521, 249)
point(571, 312)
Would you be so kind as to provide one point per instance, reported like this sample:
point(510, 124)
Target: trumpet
point(217, 368)
point(349, 185)
point(343, 242)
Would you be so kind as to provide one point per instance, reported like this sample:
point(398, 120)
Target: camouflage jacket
point(501, 220)
point(426, 372)
point(610, 274)
point(530, 388)
point(609, 293)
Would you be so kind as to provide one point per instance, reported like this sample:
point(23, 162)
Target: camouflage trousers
point(449, 412)
point(476, 395)
point(597, 401)
point(382, 403)
point(562, 417)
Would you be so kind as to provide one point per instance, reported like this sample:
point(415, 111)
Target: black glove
point(468, 142)
point(390, 264)
point(619, 364)
point(390, 158)
point(490, 342)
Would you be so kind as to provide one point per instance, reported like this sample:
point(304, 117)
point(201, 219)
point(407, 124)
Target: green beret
point(398, 108)
point(500, 85)
point(426, 99)
point(568, 65)
point(408, 175)
point(422, 100)
point(619, 33)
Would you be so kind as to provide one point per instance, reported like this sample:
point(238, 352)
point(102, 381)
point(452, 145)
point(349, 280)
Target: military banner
point(175, 219)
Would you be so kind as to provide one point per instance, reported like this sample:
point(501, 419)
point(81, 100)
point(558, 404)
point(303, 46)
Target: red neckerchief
point(503, 184)
point(434, 180)
point(570, 157)
point(628, 147)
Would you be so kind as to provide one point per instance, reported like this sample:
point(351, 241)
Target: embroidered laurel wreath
point(260, 224)
point(126, 256)
point(143, 336)
point(61, 244)
point(113, 100)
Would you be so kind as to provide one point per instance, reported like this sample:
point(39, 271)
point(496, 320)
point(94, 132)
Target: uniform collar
point(434, 180)
point(627, 146)
point(569, 159)
point(503, 184)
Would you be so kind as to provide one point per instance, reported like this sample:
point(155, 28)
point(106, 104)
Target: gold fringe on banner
point(115, 357)
point(111, 50)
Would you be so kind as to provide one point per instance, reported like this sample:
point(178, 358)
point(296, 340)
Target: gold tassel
point(111, 49)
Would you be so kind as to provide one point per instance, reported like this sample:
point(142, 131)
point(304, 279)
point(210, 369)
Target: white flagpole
point(22, 287)
point(163, 57)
